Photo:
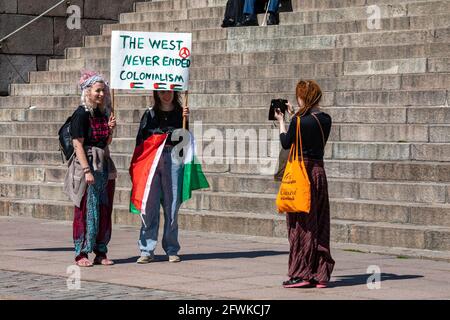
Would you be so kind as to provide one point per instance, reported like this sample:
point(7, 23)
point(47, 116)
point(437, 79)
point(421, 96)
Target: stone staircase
point(387, 90)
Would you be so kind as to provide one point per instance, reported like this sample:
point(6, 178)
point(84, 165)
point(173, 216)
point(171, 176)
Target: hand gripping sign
point(150, 60)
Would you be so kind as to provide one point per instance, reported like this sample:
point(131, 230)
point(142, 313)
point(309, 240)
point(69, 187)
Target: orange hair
point(311, 94)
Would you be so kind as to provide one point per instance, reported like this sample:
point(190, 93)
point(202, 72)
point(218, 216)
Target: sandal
point(104, 261)
point(84, 262)
point(319, 284)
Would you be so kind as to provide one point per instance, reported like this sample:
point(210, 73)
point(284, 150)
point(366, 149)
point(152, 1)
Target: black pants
point(234, 10)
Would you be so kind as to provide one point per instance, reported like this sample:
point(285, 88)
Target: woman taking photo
point(165, 116)
point(90, 181)
point(310, 261)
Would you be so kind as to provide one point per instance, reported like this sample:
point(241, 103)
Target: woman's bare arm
point(81, 156)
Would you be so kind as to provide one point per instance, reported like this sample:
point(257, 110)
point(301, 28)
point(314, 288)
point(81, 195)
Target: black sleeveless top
point(160, 122)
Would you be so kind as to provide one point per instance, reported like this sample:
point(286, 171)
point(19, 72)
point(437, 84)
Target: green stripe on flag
point(133, 209)
point(193, 179)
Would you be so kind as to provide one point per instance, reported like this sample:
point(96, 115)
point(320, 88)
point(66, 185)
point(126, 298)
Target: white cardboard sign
point(150, 60)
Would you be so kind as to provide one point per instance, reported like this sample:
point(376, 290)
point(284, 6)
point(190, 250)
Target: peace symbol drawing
point(184, 53)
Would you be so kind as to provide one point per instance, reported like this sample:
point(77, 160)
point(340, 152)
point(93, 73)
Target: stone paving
point(35, 256)
point(26, 285)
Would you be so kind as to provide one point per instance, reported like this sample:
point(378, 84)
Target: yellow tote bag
point(295, 189)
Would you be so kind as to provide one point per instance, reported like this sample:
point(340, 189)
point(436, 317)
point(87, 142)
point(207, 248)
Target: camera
point(277, 104)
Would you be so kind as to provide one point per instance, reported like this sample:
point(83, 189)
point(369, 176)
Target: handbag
point(294, 194)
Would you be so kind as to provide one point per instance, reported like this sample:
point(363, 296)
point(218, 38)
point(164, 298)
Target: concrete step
point(360, 13)
point(16, 108)
point(296, 17)
point(360, 114)
point(122, 161)
point(302, 42)
point(411, 98)
point(360, 82)
point(58, 89)
point(269, 87)
point(376, 170)
point(232, 103)
point(99, 58)
point(98, 47)
point(261, 186)
point(171, 15)
point(246, 151)
point(296, 4)
point(229, 191)
point(291, 25)
point(344, 231)
point(411, 192)
point(266, 165)
point(126, 114)
point(373, 134)
point(387, 75)
point(69, 102)
point(417, 72)
point(160, 26)
point(265, 204)
point(371, 210)
point(368, 39)
point(140, 99)
point(327, 4)
point(371, 213)
point(176, 5)
point(60, 115)
point(344, 132)
point(412, 70)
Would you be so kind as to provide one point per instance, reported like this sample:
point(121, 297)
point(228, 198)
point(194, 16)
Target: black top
point(162, 122)
point(94, 129)
point(311, 136)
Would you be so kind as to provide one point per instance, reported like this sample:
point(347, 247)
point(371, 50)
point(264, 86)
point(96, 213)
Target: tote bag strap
point(293, 154)
point(321, 130)
point(298, 138)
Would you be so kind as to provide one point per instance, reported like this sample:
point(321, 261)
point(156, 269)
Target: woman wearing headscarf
point(90, 181)
point(310, 261)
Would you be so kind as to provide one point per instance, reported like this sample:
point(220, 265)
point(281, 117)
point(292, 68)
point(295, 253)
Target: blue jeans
point(165, 190)
point(249, 7)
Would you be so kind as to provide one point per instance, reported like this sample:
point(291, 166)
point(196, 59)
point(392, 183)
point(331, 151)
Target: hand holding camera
point(278, 108)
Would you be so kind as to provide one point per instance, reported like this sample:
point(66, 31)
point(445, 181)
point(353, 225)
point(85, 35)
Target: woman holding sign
point(156, 160)
point(90, 180)
point(310, 262)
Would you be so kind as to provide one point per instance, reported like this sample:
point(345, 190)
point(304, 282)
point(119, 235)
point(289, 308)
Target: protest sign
point(150, 60)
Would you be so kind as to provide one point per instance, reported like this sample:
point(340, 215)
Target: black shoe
point(228, 23)
point(273, 19)
point(250, 21)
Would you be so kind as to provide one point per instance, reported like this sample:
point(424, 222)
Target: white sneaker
point(174, 259)
point(144, 259)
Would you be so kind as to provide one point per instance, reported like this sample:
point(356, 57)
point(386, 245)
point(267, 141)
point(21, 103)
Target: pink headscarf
point(88, 78)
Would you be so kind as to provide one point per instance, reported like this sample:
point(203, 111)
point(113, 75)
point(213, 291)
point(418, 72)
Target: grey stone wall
point(30, 48)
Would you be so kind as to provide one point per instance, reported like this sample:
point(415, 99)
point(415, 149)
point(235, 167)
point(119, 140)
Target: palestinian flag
point(136, 85)
point(193, 177)
point(142, 169)
point(143, 166)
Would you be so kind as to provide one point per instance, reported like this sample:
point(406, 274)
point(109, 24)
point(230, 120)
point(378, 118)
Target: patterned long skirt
point(309, 234)
point(92, 223)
